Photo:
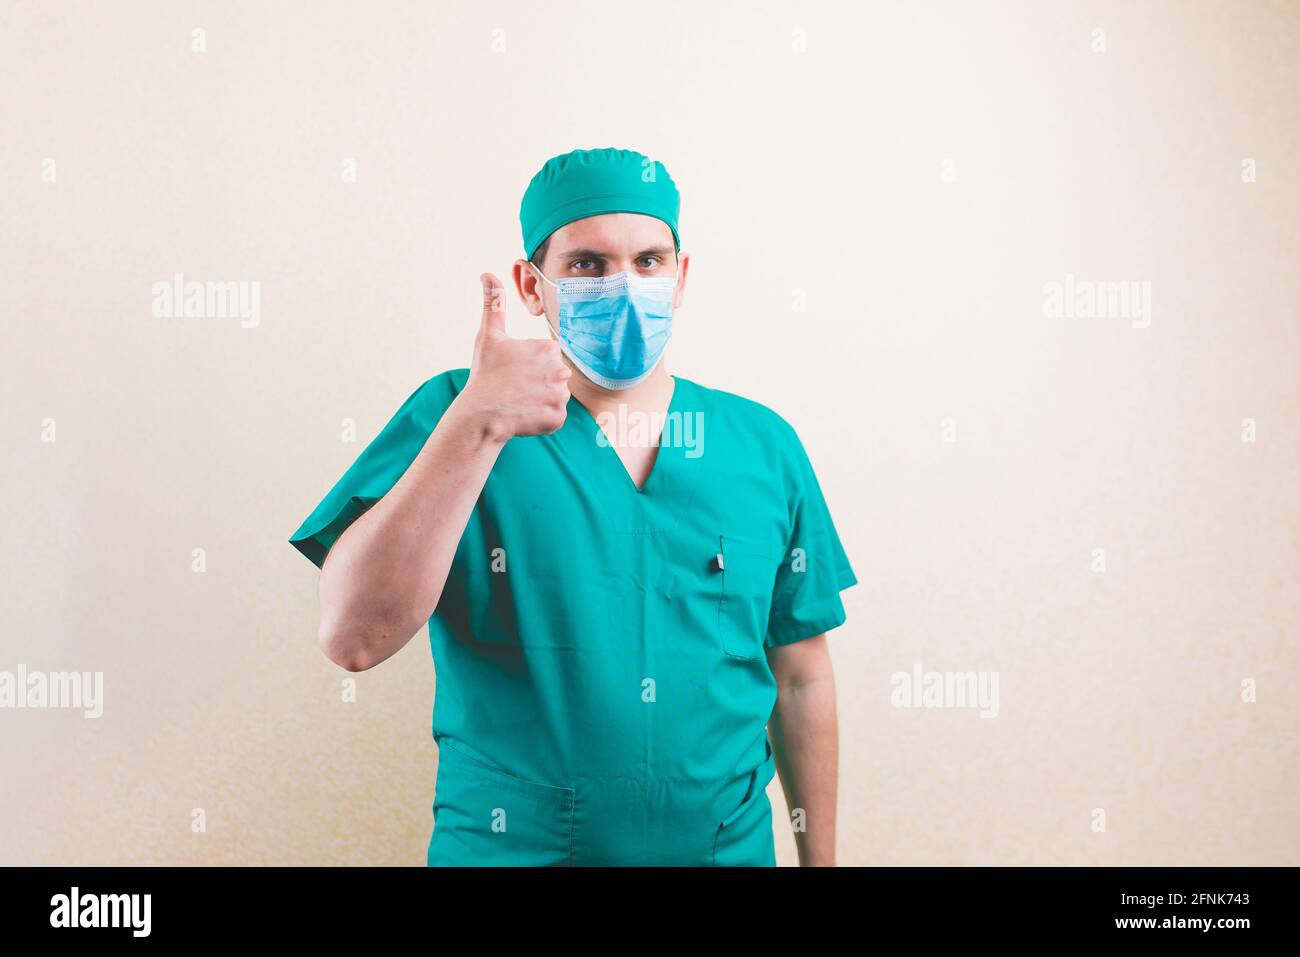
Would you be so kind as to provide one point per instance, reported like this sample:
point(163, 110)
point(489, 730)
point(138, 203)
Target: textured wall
point(877, 198)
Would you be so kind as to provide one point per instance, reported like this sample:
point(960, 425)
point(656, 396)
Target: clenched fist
point(516, 386)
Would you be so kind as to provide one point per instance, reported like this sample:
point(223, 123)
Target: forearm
point(384, 576)
point(805, 737)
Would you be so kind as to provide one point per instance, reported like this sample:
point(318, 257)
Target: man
point(626, 576)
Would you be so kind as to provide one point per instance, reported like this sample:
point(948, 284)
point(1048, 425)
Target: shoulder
point(751, 416)
point(444, 386)
point(449, 382)
point(756, 432)
point(430, 399)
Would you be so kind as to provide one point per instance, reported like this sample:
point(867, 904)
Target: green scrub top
point(603, 687)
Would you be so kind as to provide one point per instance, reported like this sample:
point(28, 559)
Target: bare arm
point(805, 739)
point(384, 576)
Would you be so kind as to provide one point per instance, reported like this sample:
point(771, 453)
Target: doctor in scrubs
point(627, 576)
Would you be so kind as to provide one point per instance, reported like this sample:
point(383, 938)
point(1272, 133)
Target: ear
point(679, 291)
point(529, 287)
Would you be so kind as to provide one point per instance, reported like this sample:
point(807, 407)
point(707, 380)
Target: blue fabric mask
point(614, 328)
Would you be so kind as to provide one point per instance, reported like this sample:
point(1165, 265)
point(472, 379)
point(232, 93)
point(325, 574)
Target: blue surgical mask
point(614, 328)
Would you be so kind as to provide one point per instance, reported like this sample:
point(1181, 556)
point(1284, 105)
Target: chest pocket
point(747, 573)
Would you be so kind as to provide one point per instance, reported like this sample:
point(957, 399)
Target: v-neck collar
point(591, 431)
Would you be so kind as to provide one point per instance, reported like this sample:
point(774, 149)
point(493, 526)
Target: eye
point(649, 262)
point(583, 265)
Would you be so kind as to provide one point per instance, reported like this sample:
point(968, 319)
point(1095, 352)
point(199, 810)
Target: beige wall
point(810, 161)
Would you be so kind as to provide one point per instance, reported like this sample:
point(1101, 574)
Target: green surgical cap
point(591, 182)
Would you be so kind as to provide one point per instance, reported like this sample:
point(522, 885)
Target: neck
point(653, 394)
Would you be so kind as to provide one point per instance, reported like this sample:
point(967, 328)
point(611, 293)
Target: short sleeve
point(806, 597)
point(377, 468)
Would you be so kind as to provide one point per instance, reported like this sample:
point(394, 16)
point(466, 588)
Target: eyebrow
point(661, 251)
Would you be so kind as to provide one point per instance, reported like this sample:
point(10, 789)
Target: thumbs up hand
point(516, 386)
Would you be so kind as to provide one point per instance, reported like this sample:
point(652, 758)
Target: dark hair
point(539, 254)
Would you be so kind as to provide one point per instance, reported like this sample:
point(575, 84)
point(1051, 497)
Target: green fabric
point(603, 688)
point(585, 183)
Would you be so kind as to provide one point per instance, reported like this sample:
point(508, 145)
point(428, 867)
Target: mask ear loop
point(539, 272)
point(544, 315)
